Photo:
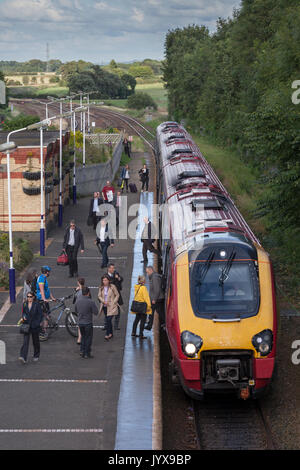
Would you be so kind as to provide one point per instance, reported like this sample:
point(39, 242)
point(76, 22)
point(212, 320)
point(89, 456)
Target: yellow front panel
point(235, 335)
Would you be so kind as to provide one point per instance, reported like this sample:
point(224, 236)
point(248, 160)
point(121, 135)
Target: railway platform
point(64, 402)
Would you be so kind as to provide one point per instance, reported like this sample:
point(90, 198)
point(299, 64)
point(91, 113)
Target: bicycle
point(71, 320)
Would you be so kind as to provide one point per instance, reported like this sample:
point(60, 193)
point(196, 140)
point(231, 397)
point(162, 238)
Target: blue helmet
point(45, 269)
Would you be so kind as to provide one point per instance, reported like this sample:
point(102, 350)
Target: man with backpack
point(157, 296)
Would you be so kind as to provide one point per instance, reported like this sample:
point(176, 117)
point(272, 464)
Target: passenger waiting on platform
point(32, 314)
point(127, 146)
point(141, 295)
point(144, 177)
point(108, 192)
point(125, 175)
point(30, 283)
point(118, 205)
point(94, 209)
point(148, 238)
point(116, 279)
point(86, 308)
point(157, 296)
point(77, 296)
point(108, 296)
point(103, 242)
point(73, 240)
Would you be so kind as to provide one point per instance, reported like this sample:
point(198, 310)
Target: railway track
point(133, 124)
point(112, 117)
point(223, 423)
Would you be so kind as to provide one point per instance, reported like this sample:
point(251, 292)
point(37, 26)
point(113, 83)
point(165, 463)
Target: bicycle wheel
point(47, 332)
point(71, 323)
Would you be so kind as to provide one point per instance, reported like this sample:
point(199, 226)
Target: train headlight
point(190, 343)
point(263, 342)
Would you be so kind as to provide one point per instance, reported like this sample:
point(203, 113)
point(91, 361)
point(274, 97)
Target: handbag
point(138, 307)
point(63, 259)
point(24, 328)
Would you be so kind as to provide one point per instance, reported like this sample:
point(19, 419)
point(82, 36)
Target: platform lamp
point(8, 148)
point(76, 110)
point(45, 104)
point(60, 206)
point(41, 126)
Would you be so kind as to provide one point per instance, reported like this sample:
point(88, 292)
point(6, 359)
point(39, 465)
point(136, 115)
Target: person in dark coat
point(103, 242)
point(144, 176)
point(148, 238)
point(85, 307)
point(94, 205)
point(73, 240)
point(32, 314)
point(127, 146)
point(157, 296)
point(116, 279)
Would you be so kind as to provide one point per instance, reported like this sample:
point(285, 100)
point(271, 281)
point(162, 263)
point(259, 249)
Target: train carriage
point(221, 317)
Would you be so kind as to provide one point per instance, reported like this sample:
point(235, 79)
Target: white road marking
point(77, 381)
point(6, 431)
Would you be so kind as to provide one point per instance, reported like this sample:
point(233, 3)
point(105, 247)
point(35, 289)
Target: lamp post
point(46, 104)
point(41, 126)
point(76, 110)
point(7, 148)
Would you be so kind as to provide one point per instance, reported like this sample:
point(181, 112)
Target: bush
point(22, 257)
point(141, 100)
point(19, 122)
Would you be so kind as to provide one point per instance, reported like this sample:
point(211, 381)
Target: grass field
point(157, 92)
point(53, 91)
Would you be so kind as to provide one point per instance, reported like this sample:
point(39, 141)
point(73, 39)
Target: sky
point(99, 31)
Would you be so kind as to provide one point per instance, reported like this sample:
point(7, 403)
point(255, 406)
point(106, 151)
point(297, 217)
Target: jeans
point(86, 339)
point(34, 332)
point(139, 318)
point(108, 322)
point(104, 248)
point(72, 255)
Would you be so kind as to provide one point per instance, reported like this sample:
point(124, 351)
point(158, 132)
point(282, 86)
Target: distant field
point(56, 91)
point(157, 92)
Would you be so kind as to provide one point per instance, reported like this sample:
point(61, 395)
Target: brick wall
point(26, 209)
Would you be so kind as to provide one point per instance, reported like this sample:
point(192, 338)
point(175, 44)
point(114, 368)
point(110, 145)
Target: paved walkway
point(64, 401)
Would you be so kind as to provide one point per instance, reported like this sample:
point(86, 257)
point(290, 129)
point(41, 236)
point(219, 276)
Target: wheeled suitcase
point(133, 188)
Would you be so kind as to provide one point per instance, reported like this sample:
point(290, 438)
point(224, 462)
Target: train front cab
point(222, 354)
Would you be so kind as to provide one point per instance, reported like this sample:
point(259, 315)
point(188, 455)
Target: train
point(220, 304)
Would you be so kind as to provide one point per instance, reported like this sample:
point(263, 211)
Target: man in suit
point(148, 238)
point(103, 241)
point(94, 208)
point(73, 239)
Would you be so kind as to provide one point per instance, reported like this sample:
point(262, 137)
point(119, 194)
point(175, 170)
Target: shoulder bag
point(138, 307)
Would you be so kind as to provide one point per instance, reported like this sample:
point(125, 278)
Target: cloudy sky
point(99, 31)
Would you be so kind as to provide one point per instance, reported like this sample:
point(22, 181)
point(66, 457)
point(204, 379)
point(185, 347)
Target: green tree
point(141, 100)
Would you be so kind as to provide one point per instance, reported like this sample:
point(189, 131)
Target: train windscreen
point(220, 288)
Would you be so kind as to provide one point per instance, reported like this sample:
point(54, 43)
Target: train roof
point(198, 203)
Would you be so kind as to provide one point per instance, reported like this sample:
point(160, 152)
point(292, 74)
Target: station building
point(25, 167)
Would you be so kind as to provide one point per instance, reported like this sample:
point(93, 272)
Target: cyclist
point(43, 294)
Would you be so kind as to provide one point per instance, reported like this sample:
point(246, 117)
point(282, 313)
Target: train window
point(238, 293)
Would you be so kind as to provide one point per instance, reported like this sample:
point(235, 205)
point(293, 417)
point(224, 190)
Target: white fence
point(100, 139)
